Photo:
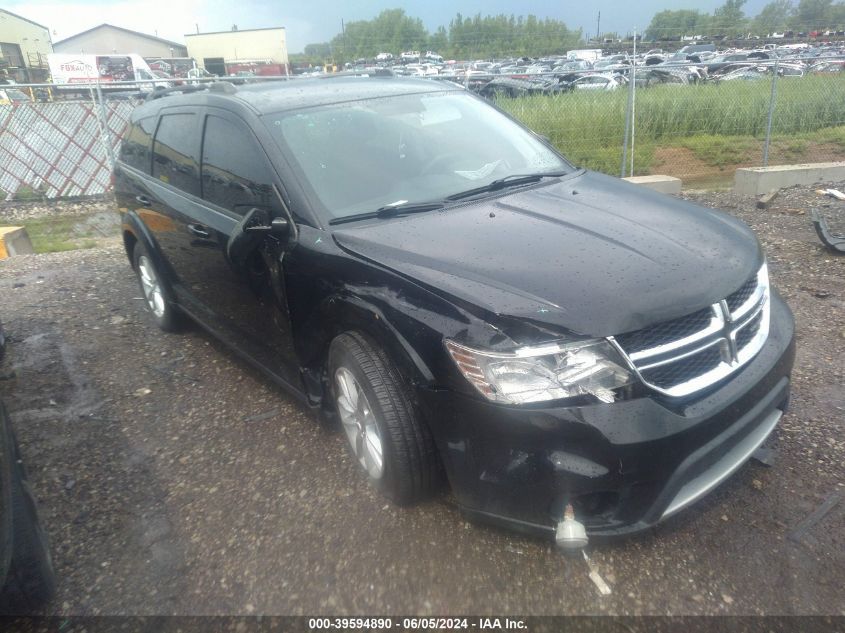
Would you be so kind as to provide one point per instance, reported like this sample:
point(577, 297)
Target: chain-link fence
point(684, 122)
point(58, 148)
point(696, 121)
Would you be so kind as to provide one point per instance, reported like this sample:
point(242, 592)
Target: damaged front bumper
point(623, 466)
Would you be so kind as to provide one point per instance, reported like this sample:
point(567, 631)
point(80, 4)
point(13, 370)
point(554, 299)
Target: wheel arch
point(134, 231)
point(339, 314)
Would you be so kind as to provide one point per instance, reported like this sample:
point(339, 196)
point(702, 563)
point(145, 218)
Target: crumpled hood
point(591, 254)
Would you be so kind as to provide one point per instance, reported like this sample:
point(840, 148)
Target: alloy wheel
point(151, 286)
point(359, 423)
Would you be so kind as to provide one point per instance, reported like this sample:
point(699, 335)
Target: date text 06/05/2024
point(414, 624)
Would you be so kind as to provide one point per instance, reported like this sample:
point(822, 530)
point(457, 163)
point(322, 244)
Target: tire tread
point(411, 442)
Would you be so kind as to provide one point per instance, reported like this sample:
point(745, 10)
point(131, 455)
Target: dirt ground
point(683, 163)
point(174, 480)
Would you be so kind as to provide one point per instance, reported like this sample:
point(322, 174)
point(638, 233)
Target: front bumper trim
point(696, 488)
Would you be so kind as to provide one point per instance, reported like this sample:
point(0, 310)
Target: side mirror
point(249, 233)
point(278, 227)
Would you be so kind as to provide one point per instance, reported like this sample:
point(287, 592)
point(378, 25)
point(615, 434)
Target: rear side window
point(175, 152)
point(135, 149)
point(235, 171)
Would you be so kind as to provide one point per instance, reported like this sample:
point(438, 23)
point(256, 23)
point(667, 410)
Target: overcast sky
point(319, 20)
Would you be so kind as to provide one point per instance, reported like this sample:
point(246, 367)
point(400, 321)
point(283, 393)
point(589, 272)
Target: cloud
point(169, 19)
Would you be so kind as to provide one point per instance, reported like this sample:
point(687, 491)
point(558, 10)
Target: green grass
point(721, 124)
point(68, 232)
point(796, 149)
point(719, 151)
point(832, 135)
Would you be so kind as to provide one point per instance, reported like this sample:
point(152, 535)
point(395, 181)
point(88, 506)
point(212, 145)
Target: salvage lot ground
point(173, 479)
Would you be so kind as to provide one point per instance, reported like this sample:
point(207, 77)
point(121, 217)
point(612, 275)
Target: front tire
point(385, 434)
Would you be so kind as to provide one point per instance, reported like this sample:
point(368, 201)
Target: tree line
point(490, 36)
point(731, 21)
point(466, 37)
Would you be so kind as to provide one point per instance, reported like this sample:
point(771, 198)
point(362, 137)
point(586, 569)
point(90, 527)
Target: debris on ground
point(834, 242)
point(766, 455)
point(833, 193)
point(598, 581)
point(766, 199)
point(815, 516)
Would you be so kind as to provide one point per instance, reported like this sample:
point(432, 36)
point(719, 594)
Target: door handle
point(143, 200)
point(199, 230)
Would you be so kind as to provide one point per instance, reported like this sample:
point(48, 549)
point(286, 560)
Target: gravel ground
point(175, 480)
point(18, 211)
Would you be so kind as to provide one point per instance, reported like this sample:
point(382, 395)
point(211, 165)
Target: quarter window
point(235, 172)
point(175, 152)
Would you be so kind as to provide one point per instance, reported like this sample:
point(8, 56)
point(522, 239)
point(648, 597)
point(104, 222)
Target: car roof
point(282, 95)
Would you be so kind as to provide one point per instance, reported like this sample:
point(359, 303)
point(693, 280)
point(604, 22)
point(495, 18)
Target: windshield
point(360, 156)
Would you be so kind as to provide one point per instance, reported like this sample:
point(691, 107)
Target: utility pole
point(598, 26)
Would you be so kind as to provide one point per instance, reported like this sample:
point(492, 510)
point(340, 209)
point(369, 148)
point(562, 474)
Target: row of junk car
point(589, 70)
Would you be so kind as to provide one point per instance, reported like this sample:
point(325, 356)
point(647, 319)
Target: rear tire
point(151, 282)
point(409, 469)
point(31, 580)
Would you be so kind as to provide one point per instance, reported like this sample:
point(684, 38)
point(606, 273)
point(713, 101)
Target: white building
point(217, 52)
point(115, 40)
point(24, 46)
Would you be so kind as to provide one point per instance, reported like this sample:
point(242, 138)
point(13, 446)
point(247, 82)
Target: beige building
point(24, 46)
point(109, 39)
point(217, 51)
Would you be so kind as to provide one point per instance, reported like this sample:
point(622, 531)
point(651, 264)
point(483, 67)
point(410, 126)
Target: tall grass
point(589, 126)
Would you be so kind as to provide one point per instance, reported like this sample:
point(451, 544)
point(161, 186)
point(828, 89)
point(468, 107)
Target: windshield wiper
point(390, 211)
point(513, 180)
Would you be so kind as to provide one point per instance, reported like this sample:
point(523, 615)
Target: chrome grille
point(667, 331)
point(683, 356)
point(747, 333)
point(670, 374)
point(736, 299)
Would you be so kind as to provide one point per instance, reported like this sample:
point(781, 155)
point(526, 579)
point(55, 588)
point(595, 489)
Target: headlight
point(547, 372)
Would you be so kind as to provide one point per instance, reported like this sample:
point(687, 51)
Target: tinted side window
point(135, 149)
point(235, 171)
point(175, 152)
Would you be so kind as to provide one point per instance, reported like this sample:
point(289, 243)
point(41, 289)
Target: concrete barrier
point(14, 241)
point(754, 181)
point(663, 184)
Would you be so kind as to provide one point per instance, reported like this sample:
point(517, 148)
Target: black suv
point(409, 260)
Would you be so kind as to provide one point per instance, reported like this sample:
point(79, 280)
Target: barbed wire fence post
point(628, 116)
point(772, 99)
point(97, 102)
point(633, 100)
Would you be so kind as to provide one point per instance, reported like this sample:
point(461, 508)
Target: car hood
point(592, 254)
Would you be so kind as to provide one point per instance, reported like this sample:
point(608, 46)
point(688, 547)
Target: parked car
point(11, 96)
point(27, 578)
point(521, 86)
point(825, 67)
point(595, 82)
point(404, 258)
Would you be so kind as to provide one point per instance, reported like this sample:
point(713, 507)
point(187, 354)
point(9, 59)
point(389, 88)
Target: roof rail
point(159, 92)
point(224, 87)
point(375, 72)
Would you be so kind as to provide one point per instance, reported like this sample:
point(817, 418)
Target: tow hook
point(570, 534)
